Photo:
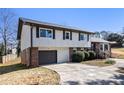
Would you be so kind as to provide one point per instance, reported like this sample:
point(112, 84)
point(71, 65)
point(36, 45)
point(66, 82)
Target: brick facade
point(34, 56)
point(29, 57)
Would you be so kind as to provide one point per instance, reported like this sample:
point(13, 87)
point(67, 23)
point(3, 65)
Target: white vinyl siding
point(59, 42)
point(49, 42)
point(25, 37)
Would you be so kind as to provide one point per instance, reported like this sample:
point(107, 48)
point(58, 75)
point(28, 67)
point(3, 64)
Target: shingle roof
point(93, 39)
point(25, 20)
point(53, 24)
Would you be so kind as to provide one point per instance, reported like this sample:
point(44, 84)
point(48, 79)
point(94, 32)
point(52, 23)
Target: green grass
point(14, 73)
point(11, 66)
point(98, 62)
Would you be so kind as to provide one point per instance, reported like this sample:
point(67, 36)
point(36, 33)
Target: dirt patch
point(118, 53)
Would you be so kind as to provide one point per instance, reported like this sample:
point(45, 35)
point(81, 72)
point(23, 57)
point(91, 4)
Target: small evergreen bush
point(87, 55)
point(92, 55)
point(110, 62)
point(78, 56)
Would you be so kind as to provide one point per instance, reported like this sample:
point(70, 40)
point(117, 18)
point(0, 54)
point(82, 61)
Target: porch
point(101, 47)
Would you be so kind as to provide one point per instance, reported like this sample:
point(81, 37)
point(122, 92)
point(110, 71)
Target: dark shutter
point(70, 35)
point(37, 32)
point(87, 37)
point(53, 33)
point(79, 36)
point(63, 34)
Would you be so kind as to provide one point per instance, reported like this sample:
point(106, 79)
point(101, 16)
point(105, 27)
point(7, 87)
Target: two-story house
point(46, 43)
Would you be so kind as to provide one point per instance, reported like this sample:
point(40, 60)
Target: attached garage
point(43, 55)
point(47, 57)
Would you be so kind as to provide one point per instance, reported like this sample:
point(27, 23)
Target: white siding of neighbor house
point(25, 37)
point(58, 41)
point(62, 53)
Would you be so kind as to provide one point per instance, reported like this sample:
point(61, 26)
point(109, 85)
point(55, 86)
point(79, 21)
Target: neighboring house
point(101, 46)
point(47, 43)
point(122, 34)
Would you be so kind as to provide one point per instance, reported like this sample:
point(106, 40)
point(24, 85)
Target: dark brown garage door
point(47, 57)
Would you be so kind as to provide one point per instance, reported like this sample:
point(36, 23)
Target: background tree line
point(118, 38)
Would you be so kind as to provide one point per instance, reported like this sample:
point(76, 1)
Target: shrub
point(92, 55)
point(110, 62)
point(104, 55)
point(78, 56)
point(87, 55)
point(83, 55)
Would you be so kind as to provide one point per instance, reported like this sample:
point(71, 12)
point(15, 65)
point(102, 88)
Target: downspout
point(110, 50)
point(31, 44)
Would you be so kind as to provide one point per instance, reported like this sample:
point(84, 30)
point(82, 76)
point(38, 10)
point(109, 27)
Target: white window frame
point(83, 36)
point(101, 46)
point(107, 47)
point(46, 32)
point(65, 35)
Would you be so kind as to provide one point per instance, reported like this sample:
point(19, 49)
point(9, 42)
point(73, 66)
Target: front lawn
point(118, 53)
point(14, 73)
point(99, 62)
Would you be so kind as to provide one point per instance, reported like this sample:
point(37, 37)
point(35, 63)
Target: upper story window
point(81, 36)
point(46, 33)
point(67, 35)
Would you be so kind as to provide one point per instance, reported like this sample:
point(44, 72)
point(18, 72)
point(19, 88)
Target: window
point(42, 33)
point(101, 47)
point(49, 33)
point(106, 47)
point(67, 35)
point(81, 36)
point(46, 33)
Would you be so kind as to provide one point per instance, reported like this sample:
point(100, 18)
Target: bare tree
point(8, 28)
point(104, 34)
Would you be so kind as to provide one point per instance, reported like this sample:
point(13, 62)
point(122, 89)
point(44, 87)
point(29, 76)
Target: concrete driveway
point(79, 74)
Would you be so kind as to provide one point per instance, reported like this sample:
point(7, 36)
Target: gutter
point(31, 42)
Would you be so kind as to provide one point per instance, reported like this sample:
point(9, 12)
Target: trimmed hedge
point(92, 55)
point(83, 56)
point(87, 55)
point(78, 56)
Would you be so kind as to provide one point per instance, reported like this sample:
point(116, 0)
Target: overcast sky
point(94, 19)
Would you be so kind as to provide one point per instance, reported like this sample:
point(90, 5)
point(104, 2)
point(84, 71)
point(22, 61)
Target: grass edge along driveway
point(99, 62)
point(14, 73)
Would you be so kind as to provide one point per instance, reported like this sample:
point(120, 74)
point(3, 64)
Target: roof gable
point(51, 25)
